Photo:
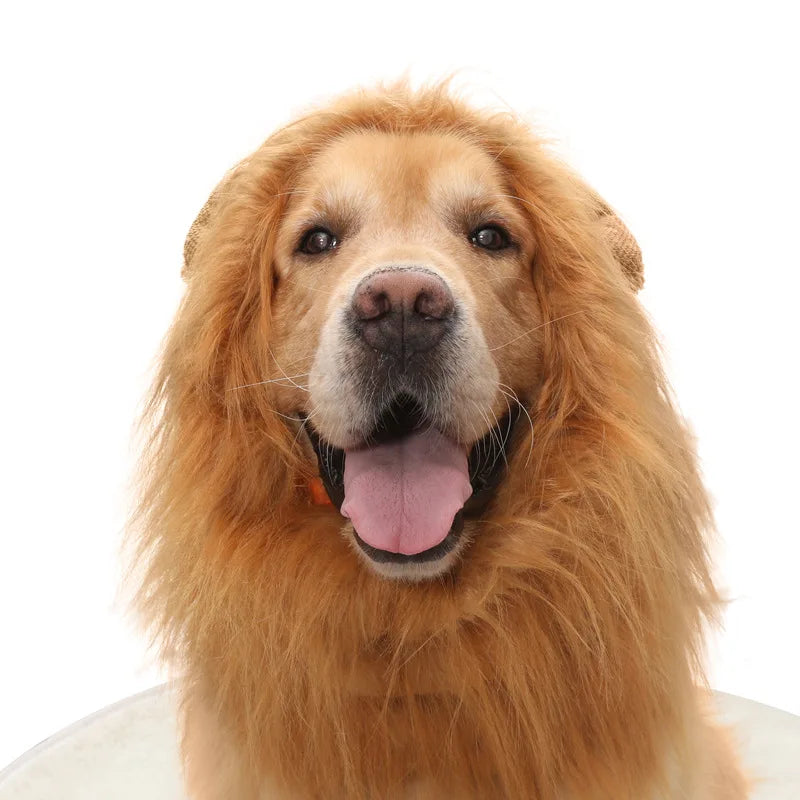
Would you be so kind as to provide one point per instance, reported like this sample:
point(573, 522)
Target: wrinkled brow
point(469, 204)
point(338, 207)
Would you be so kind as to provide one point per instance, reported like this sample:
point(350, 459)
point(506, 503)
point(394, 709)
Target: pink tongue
point(403, 496)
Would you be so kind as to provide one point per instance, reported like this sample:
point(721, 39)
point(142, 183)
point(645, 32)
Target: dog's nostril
point(370, 304)
point(434, 304)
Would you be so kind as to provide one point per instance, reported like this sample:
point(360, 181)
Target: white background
point(120, 118)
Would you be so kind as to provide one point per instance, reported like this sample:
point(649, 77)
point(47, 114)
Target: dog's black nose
point(402, 311)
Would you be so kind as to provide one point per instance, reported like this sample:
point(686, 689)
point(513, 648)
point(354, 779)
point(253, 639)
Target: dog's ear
point(624, 247)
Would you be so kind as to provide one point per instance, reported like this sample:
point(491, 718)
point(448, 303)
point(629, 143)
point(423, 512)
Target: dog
point(418, 516)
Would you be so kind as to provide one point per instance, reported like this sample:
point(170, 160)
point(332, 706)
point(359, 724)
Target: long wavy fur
point(561, 659)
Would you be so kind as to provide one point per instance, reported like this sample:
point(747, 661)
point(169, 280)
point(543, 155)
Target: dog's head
point(395, 265)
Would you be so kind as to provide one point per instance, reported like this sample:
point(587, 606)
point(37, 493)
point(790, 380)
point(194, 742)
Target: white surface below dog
point(128, 752)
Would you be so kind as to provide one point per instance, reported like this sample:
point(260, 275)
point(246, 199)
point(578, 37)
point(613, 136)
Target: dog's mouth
point(408, 487)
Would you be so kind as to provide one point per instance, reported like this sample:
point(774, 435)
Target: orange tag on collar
point(319, 496)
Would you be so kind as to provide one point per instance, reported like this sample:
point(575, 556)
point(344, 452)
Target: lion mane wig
point(561, 660)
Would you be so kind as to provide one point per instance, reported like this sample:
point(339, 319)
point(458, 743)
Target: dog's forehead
point(387, 169)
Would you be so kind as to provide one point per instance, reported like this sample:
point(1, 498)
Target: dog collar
point(318, 493)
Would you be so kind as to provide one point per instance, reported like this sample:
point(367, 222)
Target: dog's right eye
point(316, 241)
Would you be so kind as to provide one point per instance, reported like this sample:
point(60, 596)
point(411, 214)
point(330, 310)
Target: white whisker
point(303, 426)
point(303, 388)
point(285, 416)
point(273, 380)
point(527, 333)
point(496, 435)
point(516, 197)
point(513, 396)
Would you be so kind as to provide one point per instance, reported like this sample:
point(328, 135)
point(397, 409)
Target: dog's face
point(404, 336)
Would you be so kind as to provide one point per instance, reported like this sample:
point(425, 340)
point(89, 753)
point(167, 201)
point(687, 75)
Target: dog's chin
point(435, 551)
point(411, 571)
point(427, 564)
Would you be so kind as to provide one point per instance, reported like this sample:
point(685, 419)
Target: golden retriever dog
point(418, 515)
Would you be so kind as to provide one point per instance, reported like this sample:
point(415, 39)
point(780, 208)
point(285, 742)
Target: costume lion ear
point(202, 223)
point(196, 234)
point(624, 247)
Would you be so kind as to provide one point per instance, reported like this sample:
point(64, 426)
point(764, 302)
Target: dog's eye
point(317, 240)
point(490, 237)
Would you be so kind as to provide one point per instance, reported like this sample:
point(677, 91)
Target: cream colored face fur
point(409, 200)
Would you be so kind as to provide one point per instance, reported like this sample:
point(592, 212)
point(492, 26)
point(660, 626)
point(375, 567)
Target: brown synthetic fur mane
point(563, 652)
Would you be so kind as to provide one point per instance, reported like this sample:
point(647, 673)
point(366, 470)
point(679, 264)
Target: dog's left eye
point(490, 237)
